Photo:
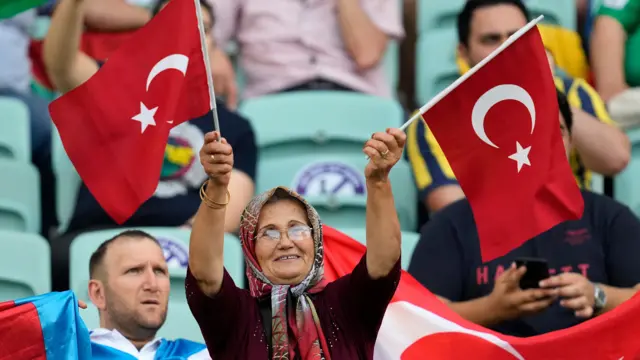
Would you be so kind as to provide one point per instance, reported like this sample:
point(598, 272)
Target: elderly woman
point(290, 311)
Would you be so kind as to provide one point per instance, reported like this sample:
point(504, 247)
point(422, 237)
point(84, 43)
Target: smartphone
point(537, 270)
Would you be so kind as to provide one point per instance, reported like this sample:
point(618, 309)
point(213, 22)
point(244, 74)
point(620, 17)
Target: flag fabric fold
point(500, 132)
point(419, 326)
point(116, 125)
point(44, 327)
point(10, 8)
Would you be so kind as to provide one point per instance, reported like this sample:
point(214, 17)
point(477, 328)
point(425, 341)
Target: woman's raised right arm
point(206, 261)
point(66, 65)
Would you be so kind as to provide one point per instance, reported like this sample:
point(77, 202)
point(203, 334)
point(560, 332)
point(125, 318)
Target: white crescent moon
point(173, 61)
point(417, 323)
point(494, 96)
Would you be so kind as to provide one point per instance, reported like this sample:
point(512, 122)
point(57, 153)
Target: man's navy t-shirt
point(602, 246)
point(177, 198)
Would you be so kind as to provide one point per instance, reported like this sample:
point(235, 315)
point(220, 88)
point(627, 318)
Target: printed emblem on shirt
point(181, 168)
point(577, 236)
point(329, 178)
point(175, 252)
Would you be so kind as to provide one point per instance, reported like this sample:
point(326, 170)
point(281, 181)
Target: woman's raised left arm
point(383, 227)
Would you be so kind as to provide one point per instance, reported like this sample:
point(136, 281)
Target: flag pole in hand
point(207, 65)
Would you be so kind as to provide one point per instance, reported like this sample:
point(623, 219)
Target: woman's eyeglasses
point(295, 233)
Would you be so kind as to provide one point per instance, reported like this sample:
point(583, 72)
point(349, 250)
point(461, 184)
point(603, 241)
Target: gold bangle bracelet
point(210, 203)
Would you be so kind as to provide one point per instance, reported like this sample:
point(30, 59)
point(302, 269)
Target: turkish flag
point(418, 326)
point(499, 130)
point(115, 126)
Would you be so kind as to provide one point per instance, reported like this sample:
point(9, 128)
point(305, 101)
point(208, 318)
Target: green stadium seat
point(335, 186)
point(436, 66)
point(67, 182)
point(175, 243)
point(597, 183)
point(409, 242)
point(19, 196)
point(626, 184)
point(391, 63)
point(25, 265)
point(437, 14)
point(308, 121)
point(561, 13)
point(15, 138)
point(40, 27)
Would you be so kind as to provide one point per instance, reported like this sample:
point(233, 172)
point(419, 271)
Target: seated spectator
point(599, 145)
point(177, 197)
point(130, 287)
point(15, 82)
point(591, 267)
point(290, 310)
point(615, 55)
point(307, 45)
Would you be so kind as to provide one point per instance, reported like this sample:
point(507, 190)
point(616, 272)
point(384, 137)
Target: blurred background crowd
point(302, 84)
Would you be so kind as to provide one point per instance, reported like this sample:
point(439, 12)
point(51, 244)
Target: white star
point(145, 117)
point(521, 156)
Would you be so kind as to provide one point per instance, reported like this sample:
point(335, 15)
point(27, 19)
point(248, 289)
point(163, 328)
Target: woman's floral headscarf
point(295, 312)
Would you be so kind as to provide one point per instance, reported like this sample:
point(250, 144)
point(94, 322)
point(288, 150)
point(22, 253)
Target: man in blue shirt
point(592, 264)
point(130, 287)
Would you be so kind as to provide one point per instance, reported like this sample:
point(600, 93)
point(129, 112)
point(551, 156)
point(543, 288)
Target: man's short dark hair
point(98, 256)
point(207, 7)
point(565, 109)
point(464, 17)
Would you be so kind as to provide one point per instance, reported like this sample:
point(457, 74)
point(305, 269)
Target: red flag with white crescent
point(508, 103)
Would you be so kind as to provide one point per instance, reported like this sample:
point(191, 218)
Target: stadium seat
point(67, 182)
point(15, 138)
point(335, 185)
point(562, 13)
point(175, 243)
point(437, 14)
point(391, 63)
point(19, 196)
point(626, 188)
point(303, 122)
point(436, 66)
point(40, 27)
point(25, 265)
point(409, 242)
point(597, 183)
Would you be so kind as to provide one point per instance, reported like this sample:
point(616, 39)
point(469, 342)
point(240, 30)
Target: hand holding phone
point(516, 292)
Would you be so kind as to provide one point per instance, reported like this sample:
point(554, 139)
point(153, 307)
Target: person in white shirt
point(130, 287)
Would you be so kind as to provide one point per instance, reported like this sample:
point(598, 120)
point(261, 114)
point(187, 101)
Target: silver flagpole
point(207, 65)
